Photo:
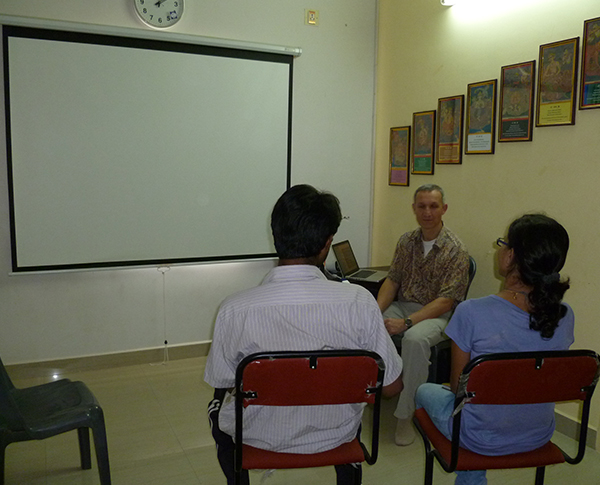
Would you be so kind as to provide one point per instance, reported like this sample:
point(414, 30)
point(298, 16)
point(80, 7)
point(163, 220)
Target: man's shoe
point(405, 432)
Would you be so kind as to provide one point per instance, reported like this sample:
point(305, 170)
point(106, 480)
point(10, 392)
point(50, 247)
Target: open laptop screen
point(345, 258)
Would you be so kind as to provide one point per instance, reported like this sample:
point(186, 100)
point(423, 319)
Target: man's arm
point(433, 309)
point(393, 389)
point(387, 293)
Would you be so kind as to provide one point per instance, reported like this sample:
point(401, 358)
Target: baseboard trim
point(107, 361)
point(570, 428)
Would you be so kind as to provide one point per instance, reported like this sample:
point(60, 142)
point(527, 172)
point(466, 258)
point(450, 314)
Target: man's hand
point(394, 326)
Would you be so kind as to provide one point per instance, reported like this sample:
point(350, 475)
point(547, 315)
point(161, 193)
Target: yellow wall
point(427, 51)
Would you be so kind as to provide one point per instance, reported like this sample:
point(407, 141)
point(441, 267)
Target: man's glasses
point(501, 242)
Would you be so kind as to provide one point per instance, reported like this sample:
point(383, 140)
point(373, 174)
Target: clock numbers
point(159, 13)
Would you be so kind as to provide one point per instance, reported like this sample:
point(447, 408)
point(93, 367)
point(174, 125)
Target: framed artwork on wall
point(423, 142)
point(590, 65)
point(516, 102)
point(481, 117)
point(450, 129)
point(557, 84)
point(399, 155)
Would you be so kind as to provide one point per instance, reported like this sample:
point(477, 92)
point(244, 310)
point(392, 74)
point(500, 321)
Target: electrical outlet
point(311, 17)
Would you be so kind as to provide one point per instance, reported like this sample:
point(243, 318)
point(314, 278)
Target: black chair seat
point(53, 408)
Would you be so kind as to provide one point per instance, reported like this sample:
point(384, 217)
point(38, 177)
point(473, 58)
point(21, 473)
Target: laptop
point(349, 266)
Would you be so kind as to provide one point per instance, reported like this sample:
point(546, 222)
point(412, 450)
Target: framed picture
point(423, 142)
point(557, 85)
point(590, 65)
point(516, 102)
point(399, 155)
point(481, 117)
point(449, 129)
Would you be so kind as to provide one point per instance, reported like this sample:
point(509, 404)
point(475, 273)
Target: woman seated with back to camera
point(526, 315)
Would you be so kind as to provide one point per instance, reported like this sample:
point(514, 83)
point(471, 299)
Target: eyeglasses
point(501, 242)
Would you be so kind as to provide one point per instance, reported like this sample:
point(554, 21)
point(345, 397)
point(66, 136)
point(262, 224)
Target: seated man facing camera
point(295, 308)
point(427, 279)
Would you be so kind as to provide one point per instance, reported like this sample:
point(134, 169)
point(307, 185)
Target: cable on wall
point(163, 270)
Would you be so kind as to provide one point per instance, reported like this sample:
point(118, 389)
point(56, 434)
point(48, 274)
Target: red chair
point(514, 378)
point(307, 379)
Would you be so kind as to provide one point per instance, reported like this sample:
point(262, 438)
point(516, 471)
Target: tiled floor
point(158, 435)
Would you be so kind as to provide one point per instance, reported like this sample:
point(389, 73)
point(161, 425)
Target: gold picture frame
point(481, 118)
point(451, 111)
point(423, 143)
point(557, 83)
point(399, 156)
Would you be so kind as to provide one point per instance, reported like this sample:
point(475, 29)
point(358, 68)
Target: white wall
point(73, 314)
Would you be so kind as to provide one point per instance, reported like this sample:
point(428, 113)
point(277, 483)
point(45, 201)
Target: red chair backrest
point(312, 379)
point(533, 377)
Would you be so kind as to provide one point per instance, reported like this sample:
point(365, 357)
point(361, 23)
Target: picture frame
point(517, 84)
point(481, 118)
point(449, 130)
point(557, 83)
point(590, 65)
point(399, 156)
point(423, 129)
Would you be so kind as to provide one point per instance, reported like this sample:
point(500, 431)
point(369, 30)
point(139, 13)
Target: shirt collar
point(293, 272)
point(440, 240)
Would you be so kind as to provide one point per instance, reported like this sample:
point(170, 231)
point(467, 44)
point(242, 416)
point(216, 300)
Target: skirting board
point(570, 428)
point(107, 361)
point(564, 424)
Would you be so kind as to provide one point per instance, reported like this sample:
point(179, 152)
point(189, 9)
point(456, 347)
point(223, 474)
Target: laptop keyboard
point(363, 273)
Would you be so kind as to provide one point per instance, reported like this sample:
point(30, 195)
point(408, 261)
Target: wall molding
point(570, 428)
point(107, 361)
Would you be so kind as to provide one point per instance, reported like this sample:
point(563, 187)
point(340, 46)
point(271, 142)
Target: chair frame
point(439, 369)
point(536, 382)
point(328, 385)
point(46, 410)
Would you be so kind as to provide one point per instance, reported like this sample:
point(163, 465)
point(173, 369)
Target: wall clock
point(159, 13)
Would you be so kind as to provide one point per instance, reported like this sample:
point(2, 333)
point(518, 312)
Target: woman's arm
point(459, 360)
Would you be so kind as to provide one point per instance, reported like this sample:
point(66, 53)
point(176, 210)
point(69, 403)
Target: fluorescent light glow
point(480, 10)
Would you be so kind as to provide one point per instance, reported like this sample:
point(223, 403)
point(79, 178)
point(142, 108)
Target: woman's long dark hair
point(540, 246)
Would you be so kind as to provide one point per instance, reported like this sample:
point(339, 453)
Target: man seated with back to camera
point(296, 308)
point(427, 279)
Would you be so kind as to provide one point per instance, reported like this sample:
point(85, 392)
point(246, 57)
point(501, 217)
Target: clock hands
point(159, 3)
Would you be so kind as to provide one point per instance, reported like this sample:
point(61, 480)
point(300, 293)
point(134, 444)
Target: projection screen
point(127, 151)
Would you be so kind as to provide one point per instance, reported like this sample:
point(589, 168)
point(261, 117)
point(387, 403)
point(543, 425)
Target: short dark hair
point(540, 245)
point(302, 221)
point(430, 188)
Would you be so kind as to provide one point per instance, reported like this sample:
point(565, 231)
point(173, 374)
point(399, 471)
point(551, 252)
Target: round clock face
point(159, 13)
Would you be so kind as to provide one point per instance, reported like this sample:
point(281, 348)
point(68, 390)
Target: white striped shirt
point(296, 308)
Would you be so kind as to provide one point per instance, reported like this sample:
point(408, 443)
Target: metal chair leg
point(539, 475)
point(428, 469)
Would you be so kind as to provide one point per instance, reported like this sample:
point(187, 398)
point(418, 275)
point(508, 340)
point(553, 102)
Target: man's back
point(296, 308)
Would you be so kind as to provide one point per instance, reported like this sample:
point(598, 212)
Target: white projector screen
point(136, 152)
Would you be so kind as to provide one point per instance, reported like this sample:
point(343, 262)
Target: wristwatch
point(408, 322)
